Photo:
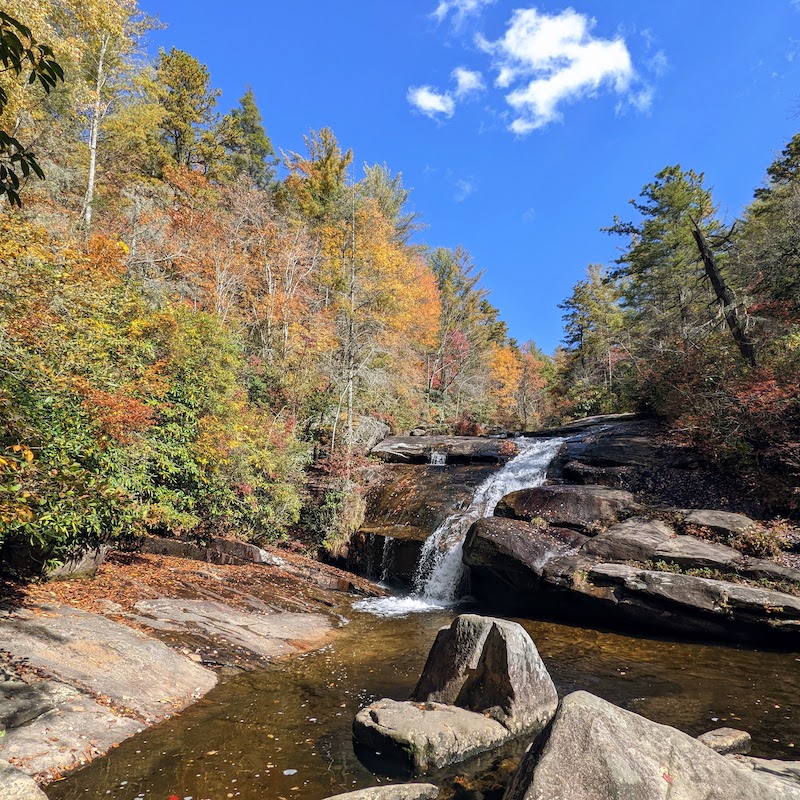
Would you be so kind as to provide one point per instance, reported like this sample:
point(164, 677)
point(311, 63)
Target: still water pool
point(284, 732)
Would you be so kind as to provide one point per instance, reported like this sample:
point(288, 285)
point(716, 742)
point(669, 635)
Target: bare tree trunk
point(725, 298)
point(94, 128)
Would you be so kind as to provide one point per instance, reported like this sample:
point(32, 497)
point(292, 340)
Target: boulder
point(597, 751)
point(368, 432)
point(583, 508)
point(727, 740)
point(426, 736)
point(723, 523)
point(483, 684)
point(693, 553)
point(509, 553)
point(403, 791)
point(458, 449)
point(635, 539)
point(82, 563)
point(16, 785)
point(491, 666)
point(762, 569)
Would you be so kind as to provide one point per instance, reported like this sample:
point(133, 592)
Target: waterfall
point(438, 458)
point(439, 574)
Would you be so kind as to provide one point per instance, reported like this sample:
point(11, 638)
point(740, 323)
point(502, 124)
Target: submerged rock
point(596, 751)
point(426, 736)
point(403, 791)
point(483, 684)
point(727, 740)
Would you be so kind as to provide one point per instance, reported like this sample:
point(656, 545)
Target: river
point(284, 732)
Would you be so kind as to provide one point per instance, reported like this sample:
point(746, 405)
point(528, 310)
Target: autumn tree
point(458, 366)
point(316, 181)
point(189, 102)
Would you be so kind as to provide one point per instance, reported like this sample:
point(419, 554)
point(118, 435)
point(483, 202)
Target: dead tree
point(725, 297)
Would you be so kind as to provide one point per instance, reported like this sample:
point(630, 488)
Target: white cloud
point(461, 9)
point(467, 81)
point(548, 60)
point(430, 102)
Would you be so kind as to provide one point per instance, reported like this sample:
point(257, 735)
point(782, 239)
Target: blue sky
point(521, 127)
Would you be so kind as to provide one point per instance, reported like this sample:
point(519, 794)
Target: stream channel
point(284, 732)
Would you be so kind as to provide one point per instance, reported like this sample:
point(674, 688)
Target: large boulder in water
point(583, 508)
point(491, 666)
point(597, 751)
point(483, 684)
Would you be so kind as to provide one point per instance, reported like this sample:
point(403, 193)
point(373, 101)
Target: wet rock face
point(411, 501)
point(597, 751)
point(583, 508)
point(483, 684)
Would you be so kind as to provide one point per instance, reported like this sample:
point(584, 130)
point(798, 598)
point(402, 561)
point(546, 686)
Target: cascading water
point(439, 574)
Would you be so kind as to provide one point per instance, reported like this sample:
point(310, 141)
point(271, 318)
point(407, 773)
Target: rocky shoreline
point(88, 663)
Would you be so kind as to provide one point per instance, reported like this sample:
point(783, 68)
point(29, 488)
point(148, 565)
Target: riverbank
point(88, 662)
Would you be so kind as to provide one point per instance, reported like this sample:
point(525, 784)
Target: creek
point(284, 732)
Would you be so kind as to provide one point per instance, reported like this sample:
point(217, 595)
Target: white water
point(440, 572)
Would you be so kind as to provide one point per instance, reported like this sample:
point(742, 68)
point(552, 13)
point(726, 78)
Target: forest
point(197, 328)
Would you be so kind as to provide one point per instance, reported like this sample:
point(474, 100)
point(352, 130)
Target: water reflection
point(284, 733)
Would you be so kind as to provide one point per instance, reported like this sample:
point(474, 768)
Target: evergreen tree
point(250, 150)
point(660, 271)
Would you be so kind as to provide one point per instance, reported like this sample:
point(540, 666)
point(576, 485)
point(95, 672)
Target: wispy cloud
point(459, 9)
point(433, 103)
point(467, 81)
point(430, 102)
point(464, 188)
point(549, 60)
